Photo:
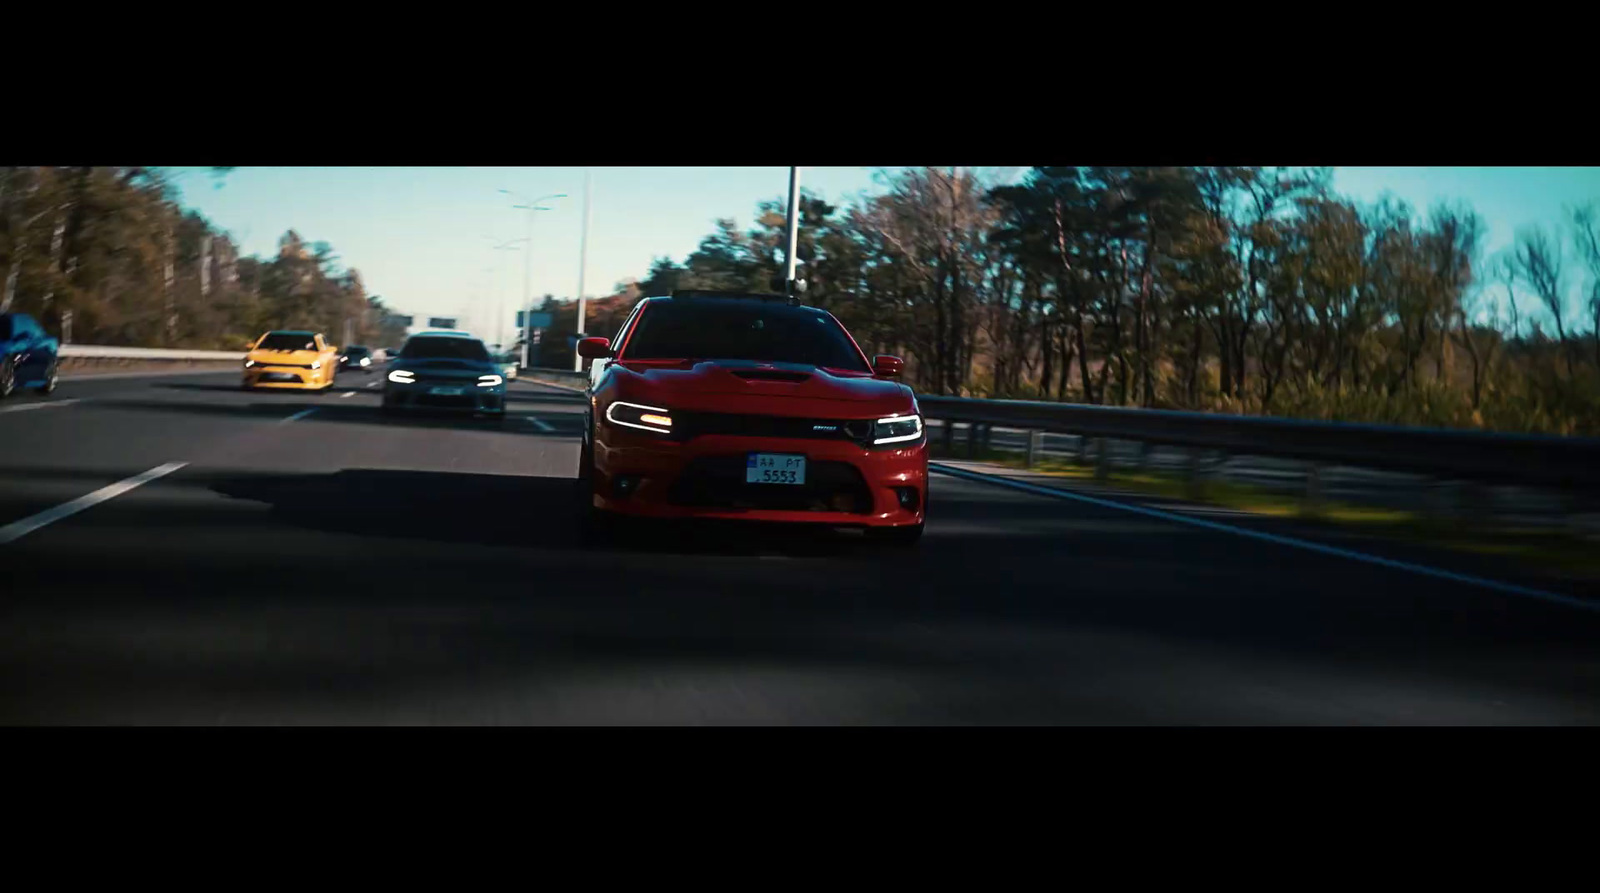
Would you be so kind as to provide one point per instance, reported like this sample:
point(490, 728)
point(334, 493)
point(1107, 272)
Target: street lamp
point(496, 297)
point(583, 266)
point(793, 228)
point(529, 205)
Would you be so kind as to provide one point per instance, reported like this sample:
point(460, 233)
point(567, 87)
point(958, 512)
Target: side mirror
point(887, 366)
point(594, 348)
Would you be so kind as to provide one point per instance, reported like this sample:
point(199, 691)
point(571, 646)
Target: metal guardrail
point(91, 351)
point(559, 377)
point(1564, 462)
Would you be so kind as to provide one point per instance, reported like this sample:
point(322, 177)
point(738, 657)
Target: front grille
point(718, 482)
point(687, 425)
point(278, 376)
point(438, 381)
point(285, 365)
point(444, 401)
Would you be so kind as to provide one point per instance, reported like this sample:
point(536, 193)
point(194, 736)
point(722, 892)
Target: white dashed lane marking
point(18, 529)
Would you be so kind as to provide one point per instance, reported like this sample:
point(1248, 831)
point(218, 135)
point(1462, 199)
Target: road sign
point(537, 320)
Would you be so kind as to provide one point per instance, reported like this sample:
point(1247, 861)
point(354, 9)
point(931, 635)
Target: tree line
point(1238, 289)
point(108, 255)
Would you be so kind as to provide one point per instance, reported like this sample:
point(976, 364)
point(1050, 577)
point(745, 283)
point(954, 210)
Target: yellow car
point(291, 359)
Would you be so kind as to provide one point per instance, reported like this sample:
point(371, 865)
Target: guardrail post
point(972, 440)
point(1191, 473)
point(949, 435)
point(1035, 446)
point(988, 430)
point(1102, 461)
point(1146, 449)
point(1475, 501)
point(1311, 502)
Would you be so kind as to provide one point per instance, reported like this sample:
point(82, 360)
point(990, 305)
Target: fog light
point(908, 497)
point(624, 485)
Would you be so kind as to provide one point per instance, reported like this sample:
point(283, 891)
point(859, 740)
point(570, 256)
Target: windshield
point(444, 349)
point(356, 352)
point(742, 330)
point(287, 341)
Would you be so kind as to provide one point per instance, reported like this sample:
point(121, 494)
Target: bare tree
point(1586, 238)
point(1538, 259)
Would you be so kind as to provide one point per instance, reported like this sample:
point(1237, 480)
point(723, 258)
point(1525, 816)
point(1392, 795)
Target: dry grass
point(1551, 549)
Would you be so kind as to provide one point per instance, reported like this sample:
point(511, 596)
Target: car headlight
point(402, 376)
point(645, 418)
point(897, 429)
point(249, 363)
point(316, 364)
point(366, 361)
point(489, 381)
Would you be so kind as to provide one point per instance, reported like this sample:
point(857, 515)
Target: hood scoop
point(769, 375)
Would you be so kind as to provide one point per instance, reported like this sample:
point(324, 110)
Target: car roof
point(744, 298)
point(444, 335)
point(291, 332)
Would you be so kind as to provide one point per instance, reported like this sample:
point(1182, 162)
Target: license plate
point(775, 468)
point(447, 392)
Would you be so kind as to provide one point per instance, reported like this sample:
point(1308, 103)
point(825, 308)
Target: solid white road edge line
point(1496, 585)
point(542, 426)
point(18, 529)
point(26, 406)
point(299, 415)
point(347, 394)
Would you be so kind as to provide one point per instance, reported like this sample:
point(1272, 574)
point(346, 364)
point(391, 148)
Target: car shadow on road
point(508, 510)
point(558, 424)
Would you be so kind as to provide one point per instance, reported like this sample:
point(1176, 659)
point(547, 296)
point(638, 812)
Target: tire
point(8, 378)
point(599, 527)
point(896, 537)
point(49, 386)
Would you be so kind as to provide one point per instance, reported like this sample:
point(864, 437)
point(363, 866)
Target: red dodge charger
point(750, 407)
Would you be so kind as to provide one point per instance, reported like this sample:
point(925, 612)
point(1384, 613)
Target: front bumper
point(291, 378)
point(417, 398)
point(847, 485)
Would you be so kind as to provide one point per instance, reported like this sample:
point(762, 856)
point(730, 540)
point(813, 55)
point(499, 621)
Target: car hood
point(445, 365)
point(291, 357)
point(744, 386)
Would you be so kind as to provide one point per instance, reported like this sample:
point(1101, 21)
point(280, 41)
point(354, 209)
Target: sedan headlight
point(316, 364)
point(489, 381)
point(403, 376)
point(249, 363)
point(366, 361)
point(635, 415)
point(897, 429)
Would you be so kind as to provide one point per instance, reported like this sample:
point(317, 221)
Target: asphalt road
point(316, 563)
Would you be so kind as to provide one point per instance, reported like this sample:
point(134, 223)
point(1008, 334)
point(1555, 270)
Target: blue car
point(27, 355)
point(445, 371)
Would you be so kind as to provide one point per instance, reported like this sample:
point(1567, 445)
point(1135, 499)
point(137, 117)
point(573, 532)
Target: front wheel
point(8, 377)
point(50, 378)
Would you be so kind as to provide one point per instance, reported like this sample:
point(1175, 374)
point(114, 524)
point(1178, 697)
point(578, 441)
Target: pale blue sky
point(421, 236)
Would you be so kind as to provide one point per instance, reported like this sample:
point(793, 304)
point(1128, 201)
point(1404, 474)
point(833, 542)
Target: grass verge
point(1564, 552)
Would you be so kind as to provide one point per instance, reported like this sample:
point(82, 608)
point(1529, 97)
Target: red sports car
point(750, 407)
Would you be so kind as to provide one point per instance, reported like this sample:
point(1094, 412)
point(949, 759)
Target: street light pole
point(583, 265)
point(794, 229)
point(527, 269)
point(527, 296)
